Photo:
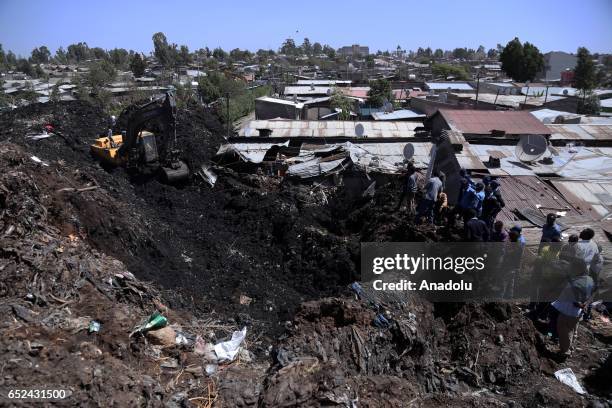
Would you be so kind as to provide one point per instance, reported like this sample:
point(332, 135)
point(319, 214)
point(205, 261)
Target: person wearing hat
point(516, 235)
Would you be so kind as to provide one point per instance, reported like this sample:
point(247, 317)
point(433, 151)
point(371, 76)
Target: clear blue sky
point(550, 25)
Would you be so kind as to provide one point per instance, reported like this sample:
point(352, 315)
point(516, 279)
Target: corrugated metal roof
point(397, 115)
point(520, 192)
point(481, 122)
point(552, 90)
point(512, 101)
point(580, 131)
point(269, 99)
point(606, 103)
point(307, 90)
point(443, 86)
point(323, 82)
point(250, 152)
point(313, 128)
point(594, 199)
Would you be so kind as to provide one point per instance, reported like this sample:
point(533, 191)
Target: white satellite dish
point(531, 148)
point(565, 92)
point(329, 91)
point(408, 151)
point(359, 130)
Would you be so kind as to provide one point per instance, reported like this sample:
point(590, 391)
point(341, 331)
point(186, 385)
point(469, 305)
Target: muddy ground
point(269, 254)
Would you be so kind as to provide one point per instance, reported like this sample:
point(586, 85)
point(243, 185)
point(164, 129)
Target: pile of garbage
point(239, 294)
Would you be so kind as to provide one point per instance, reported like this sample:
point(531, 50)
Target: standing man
point(409, 189)
point(572, 302)
point(432, 189)
point(551, 231)
point(475, 230)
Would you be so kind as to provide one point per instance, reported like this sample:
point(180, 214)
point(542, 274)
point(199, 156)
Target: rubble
point(80, 244)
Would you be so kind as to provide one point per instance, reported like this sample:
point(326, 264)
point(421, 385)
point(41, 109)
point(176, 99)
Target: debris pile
point(237, 294)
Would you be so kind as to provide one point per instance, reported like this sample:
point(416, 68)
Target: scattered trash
point(37, 160)
point(211, 369)
point(169, 363)
point(183, 339)
point(39, 136)
point(94, 326)
point(228, 350)
point(208, 175)
point(155, 321)
point(381, 321)
point(245, 300)
point(567, 377)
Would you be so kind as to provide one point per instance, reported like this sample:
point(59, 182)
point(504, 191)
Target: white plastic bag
point(567, 377)
point(228, 350)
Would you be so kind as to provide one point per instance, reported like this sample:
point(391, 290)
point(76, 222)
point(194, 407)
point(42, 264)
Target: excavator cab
point(138, 149)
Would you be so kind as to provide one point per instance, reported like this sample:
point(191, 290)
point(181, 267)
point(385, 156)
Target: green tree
point(78, 52)
point(61, 56)
point(585, 76)
point(438, 53)
point(369, 61)
point(307, 47)
point(329, 51)
point(588, 102)
point(521, 62)
point(379, 93)
point(184, 56)
point(23, 65)
point(162, 49)
point(40, 55)
point(208, 91)
point(446, 70)
point(461, 53)
point(54, 96)
point(288, 47)
point(138, 65)
point(11, 59)
point(100, 74)
point(317, 48)
point(119, 57)
point(492, 53)
point(99, 53)
point(340, 101)
point(219, 54)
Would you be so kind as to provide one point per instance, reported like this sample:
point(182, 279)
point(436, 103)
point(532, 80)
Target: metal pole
point(477, 86)
point(227, 98)
point(546, 97)
point(526, 94)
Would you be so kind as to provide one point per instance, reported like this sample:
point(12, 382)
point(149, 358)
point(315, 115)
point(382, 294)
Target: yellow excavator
point(142, 151)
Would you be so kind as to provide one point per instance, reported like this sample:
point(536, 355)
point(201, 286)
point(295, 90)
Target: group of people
point(478, 206)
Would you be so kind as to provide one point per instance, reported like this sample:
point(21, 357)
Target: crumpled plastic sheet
point(227, 350)
point(567, 377)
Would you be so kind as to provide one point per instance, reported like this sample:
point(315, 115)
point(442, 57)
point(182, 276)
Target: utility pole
point(477, 86)
point(227, 99)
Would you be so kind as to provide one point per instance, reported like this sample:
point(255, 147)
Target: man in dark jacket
point(475, 230)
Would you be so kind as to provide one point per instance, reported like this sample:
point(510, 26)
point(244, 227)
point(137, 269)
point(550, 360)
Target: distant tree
point(588, 102)
point(119, 57)
point(340, 101)
point(2, 59)
point(447, 70)
point(61, 56)
point(208, 91)
point(184, 55)
point(317, 48)
point(29, 94)
point(369, 61)
point(307, 47)
point(380, 91)
point(219, 54)
point(492, 53)
point(162, 52)
point(78, 52)
point(40, 55)
point(521, 62)
point(99, 53)
point(428, 52)
point(11, 59)
point(23, 65)
point(39, 72)
point(329, 51)
point(100, 74)
point(461, 53)
point(585, 77)
point(138, 65)
point(288, 47)
point(54, 96)
point(438, 53)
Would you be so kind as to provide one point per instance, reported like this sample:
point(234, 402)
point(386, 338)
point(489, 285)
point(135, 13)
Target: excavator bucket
point(176, 173)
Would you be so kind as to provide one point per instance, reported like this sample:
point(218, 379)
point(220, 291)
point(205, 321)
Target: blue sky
point(550, 25)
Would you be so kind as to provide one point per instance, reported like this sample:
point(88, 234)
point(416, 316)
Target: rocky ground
point(80, 243)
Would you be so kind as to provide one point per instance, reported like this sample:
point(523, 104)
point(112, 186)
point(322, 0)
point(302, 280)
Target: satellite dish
point(388, 106)
point(359, 130)
point(531, 148)
point(408, 151)
point(329, 91)
point(565, 92)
